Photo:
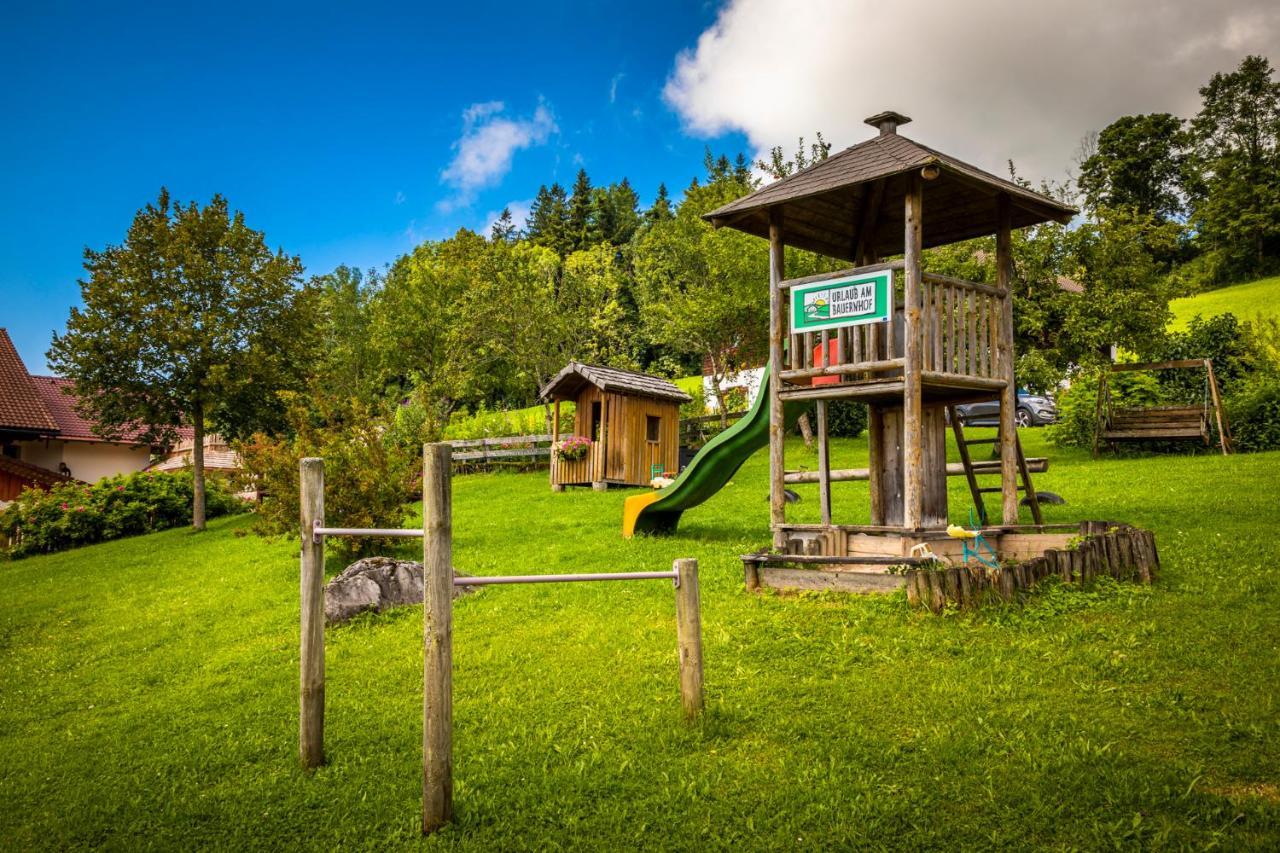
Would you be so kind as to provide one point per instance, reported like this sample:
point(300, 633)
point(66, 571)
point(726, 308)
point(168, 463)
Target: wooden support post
point(1009, 394)
point(912, 399)
point(777, 417)
point(555, 439)
point(1224, 440)
point(824, 464)
point(437, 637)
point(689, 636)
point(875, 461)
point(311, 665)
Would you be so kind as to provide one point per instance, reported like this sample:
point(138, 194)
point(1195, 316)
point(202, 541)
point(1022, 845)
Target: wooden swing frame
point(1158, 431)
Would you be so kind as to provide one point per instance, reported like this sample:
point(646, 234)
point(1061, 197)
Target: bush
point(73, 514)
point(497, 423)
point(368, 474)
point(846, 418)
point(1254, 414)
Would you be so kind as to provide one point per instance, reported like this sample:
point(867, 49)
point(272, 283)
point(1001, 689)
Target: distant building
point(44, 440)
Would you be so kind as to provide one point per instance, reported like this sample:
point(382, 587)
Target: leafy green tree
point(1234, 178)
point(414, 325)
point(703, 292)
point(191, 320)
point(346, 356)
point(1138, 163)
point(778, 166)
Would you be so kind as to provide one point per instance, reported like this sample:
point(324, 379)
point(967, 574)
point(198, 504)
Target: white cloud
point(613, 87)
point(488, 143)
point(519, 215)
point(400, 197)
point(986, 80)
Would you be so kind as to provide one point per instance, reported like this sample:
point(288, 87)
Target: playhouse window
point(652, 425)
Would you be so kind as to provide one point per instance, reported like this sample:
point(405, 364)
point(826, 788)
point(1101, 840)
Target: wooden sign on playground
point(849, 301)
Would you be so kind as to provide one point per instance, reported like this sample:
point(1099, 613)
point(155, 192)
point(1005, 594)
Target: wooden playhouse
point(632, 420)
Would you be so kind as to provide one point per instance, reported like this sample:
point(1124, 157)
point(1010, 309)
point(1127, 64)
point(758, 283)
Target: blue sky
point(350, 132)
point(333, 130)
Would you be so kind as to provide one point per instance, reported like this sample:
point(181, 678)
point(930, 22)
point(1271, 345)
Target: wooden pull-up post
point(311, 651)
point(437, 636)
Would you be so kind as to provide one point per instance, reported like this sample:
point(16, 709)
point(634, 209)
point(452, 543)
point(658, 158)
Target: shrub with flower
point(74, 514)
point(573, 448)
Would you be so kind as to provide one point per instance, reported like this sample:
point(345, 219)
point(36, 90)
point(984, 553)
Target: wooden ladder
point(977, 490)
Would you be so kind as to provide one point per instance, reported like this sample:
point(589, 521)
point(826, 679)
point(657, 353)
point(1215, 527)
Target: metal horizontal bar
point(368, 531)
point(598, 576)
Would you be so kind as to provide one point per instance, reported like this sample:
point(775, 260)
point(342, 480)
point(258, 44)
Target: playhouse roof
point(825, 206)
point(575, 376)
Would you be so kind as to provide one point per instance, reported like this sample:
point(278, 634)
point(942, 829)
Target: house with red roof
point(44, 441)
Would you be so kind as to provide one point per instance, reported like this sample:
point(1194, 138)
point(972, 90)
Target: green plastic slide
point(714, 466)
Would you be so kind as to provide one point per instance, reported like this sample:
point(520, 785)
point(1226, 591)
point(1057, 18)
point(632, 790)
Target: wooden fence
point(513, 449)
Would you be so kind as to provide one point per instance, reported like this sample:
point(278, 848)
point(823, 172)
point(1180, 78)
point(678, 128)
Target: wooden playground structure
point(908, 343)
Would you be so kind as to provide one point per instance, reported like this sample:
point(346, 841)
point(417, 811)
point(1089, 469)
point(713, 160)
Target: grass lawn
point(148, 688)
point(1247, 301)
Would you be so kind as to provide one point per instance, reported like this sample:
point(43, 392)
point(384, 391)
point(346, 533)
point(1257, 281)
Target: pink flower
point(119, 488)
point(64, 506)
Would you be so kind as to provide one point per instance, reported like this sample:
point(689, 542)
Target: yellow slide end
point(631, 509)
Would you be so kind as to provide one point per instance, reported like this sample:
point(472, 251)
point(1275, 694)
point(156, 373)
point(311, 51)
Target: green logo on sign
point(849, 301)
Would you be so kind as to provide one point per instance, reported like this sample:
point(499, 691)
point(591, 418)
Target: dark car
point(1033, 410)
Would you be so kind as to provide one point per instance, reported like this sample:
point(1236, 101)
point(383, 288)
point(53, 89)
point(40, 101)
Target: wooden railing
point(513, 448)
point(960, 325)
point(959, 332)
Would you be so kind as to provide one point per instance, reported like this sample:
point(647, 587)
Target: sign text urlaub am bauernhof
point(850, 301)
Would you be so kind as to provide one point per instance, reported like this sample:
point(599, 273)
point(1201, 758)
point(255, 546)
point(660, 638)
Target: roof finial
point(887, 121)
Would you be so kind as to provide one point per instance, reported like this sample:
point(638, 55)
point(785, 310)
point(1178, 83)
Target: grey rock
point(374, 583)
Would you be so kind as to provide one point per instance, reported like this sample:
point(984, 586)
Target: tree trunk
point(197, 467)
point(546, 408)
point(806, 430)
point(718, 373)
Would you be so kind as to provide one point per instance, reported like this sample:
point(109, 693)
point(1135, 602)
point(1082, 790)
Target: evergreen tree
point(548, 223)
point(504, 229)
point(616, 213)
point(582, 230)
point(660, 210)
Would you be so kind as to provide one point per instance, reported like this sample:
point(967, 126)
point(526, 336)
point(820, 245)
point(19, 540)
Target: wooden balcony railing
point(959, 333)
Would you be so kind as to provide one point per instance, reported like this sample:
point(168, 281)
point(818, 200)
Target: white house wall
point(749, 379)
point(88, 461)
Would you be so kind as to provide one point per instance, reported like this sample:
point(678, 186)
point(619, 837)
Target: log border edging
point(1114, 549)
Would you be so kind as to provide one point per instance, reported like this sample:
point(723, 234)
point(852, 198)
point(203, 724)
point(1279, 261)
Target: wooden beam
point(1160, 365)
point(1035, 465)
point(851, 271)
point(1224, 440)
point(311, 660)
point(824, 464)
point(863, 244)
point(777, 417)
point(437, 637)
point(1004, 349)
point(912, 401)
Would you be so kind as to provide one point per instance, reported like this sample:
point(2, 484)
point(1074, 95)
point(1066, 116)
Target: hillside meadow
point(148, 688)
